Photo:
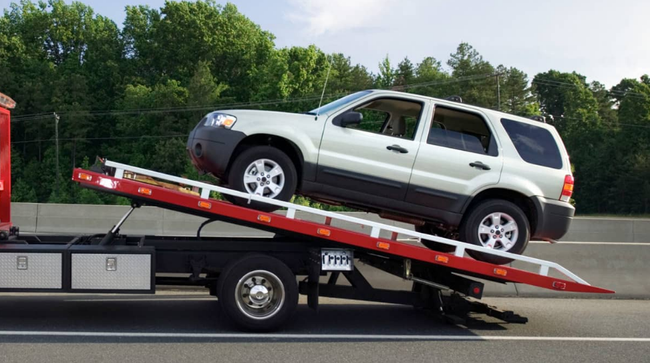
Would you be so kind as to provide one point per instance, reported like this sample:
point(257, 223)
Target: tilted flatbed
point(254, 278)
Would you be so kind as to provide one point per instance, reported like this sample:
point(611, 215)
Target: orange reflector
point(383, 245)
point(324, 232)
point(264, 218)
point(206, 205)
point(500, 271)
point(86, 177)
point(559, 285)
point(443, 259)
point(227, 123)
point(145, 191)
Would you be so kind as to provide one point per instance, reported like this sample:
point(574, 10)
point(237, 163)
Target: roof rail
point(538, 118)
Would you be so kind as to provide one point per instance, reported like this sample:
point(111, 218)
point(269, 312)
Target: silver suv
point(451, 169)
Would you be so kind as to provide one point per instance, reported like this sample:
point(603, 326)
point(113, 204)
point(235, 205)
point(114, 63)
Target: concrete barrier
point(608, 252)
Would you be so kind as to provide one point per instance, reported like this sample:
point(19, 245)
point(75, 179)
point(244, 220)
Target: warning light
point(205, 205)
point(383, 245)
point(86, 177)
point(500, 271)
point(7, 102)
point(443, 259)
point(145, 191)
point(264, 218)
point(559, 285)
point(324, 232)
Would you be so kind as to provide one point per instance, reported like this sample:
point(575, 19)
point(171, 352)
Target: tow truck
point(256, 280)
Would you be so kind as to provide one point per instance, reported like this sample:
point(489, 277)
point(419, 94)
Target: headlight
point(220, 120)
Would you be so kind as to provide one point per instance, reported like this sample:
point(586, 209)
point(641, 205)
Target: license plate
point(337, 260)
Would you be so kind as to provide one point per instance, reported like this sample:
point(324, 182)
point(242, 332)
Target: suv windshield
point(338, 103)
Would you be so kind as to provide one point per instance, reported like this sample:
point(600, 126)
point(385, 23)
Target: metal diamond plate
point(89, 272)
point(43, 271)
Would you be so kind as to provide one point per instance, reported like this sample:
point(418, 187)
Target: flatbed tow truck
point(257, 280)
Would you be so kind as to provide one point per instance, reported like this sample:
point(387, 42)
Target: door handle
point(480, 165)
point(397, 148)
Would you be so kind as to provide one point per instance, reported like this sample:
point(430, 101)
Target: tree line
point(85, 87)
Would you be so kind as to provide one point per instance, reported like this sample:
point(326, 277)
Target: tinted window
point(534, 144)
point(462, 131)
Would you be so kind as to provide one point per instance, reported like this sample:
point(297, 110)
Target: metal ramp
point(126, 180)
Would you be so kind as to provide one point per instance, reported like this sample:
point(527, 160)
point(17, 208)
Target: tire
point(485, 213)
point(429, 228)
point(276, 289)
point(246, 166)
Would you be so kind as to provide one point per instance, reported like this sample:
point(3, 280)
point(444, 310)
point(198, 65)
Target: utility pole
point(56, 136)
point(498, 93)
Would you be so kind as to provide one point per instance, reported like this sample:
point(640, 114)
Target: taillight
point(567, 189)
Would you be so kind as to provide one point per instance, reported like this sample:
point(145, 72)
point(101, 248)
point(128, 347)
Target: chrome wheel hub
point(264, 177)
point(498, 231)
point(259, 294)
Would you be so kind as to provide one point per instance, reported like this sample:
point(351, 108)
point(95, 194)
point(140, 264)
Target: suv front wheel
point(263, 171)
point(496, 224)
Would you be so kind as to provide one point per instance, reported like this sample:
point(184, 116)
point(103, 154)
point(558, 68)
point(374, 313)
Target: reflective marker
point(383, 245)
point(145, 191)
point(559, 285)
point(443, 259)
point(500, 271)
point(205, 205)
point(86, 177)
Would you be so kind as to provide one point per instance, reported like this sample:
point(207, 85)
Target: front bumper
point(553, 218)
point(211, 148)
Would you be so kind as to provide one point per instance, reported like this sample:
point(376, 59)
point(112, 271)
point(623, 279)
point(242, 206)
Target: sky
point(603, 40)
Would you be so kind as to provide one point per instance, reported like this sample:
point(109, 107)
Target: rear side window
point(461, 130)
point(534, 144)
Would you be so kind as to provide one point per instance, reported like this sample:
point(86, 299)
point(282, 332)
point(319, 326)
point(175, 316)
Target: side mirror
point(348, 118)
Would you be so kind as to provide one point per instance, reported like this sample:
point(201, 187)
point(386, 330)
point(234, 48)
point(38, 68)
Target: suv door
point(376, 156)
point(458, 157)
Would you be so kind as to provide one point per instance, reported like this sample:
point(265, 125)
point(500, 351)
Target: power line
point(555, 83)
point(103, 138)
point(41, 116)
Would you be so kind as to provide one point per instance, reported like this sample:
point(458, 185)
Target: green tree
point(475, 77)
point(386, 77)
point(516, 96)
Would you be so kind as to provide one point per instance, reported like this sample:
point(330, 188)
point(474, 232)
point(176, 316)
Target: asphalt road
point(184, 327)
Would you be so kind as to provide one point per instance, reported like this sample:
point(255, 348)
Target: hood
point(268, 116)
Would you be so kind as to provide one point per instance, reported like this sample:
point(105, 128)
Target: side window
point(373, 120)
point(461, 130)
point(390, 116)
point(534, 144)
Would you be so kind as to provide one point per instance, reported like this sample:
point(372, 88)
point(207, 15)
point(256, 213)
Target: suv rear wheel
point(497, 224)
point(263, 171)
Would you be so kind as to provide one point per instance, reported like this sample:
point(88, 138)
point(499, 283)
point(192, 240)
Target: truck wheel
point(496, 224)
point(258, 293)
point(263, 171)
point(429, 228)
